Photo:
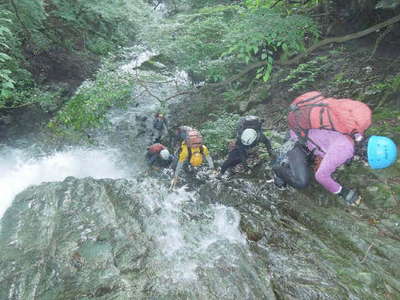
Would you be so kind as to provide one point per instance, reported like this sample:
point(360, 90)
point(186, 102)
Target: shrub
point(88, 108)
point(218, 133)
point(216, 41)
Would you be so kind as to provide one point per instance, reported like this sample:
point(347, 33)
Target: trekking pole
point(173, 182)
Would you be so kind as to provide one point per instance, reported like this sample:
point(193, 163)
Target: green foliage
point(90, 104)
point(386, 122)
point(7, 84)
point(258, 3)
point(68, 23)
point(42, 28)
point(342, 83)
point(305, 74)
point(217, 134)
point(47, 100)
point(262, 33)
point(219, 40)
point(385, 90)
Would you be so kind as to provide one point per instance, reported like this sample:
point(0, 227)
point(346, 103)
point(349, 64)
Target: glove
point(173, 183)
point(214, 172)
point(350, 196)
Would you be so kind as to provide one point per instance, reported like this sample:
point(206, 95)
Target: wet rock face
point(120, 239)
point(70, 240)
point(316, 249)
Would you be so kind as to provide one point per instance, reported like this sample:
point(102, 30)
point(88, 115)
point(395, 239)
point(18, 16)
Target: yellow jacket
point(184, 152)
point(184, 155)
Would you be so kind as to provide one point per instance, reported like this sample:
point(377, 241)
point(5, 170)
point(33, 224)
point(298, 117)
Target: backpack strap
point(190, 152)
point(295, 106)
point(303, 139)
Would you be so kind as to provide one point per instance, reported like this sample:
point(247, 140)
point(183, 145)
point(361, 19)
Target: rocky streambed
point(121, 234)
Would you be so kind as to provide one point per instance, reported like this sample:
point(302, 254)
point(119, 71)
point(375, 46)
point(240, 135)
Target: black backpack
point(158, 123)
point(248, 122)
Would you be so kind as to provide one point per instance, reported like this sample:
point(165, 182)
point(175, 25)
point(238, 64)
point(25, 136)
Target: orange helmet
point(196, 159)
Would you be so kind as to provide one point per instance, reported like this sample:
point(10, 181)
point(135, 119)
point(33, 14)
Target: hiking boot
point(279, 182)
point(350, 196)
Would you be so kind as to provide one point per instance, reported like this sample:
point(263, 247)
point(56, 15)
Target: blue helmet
point(381, 152)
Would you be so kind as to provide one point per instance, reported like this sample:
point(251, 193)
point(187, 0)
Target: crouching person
point(248, 135)
point(191, 151)
point(158, 156)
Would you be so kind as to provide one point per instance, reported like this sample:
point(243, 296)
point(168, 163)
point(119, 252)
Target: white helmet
point(164, 153)
point(248, 136)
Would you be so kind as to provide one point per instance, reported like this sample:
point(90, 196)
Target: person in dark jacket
point(249, 135)
point(160, 127)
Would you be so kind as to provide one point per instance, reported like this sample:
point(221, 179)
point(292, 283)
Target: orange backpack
point(156, 148)
point(313, 111)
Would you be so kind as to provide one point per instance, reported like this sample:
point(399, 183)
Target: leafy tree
point(6, 82)
point(216, 41)
point(88, 107)
point(43, 28)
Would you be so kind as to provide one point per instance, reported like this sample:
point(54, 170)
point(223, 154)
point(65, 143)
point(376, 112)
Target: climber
point(179, 136)
point(330, 131)
point(248, 135)
point(160, 127)
point(191, 150)
point(158, 156)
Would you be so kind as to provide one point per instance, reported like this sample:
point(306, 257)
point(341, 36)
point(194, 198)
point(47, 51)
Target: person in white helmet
point(248, 135)
point(158, 156)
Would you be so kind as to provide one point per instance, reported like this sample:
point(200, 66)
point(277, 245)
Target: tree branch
point(342, 39)
point(322, 43)
point(142, 83)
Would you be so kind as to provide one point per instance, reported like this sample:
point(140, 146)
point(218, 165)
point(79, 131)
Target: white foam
point(19, 171)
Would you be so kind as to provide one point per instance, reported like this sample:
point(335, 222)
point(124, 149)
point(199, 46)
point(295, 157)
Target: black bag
point(248, 122)
point(158, 123)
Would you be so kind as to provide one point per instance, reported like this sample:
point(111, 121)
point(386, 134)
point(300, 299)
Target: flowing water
point(188, 236)
point(121, 234)
point(20, 169)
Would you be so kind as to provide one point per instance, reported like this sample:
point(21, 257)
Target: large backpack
point(248, 122)
point(193, 138)
point(156, 148)
point(313, 111)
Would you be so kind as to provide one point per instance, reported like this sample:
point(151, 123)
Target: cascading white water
point(19, 170)
point(183, 246)
point(186, 243)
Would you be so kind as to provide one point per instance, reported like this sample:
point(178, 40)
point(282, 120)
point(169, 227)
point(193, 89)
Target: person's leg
point(234, 158)
point(157, 136)
point(296, 172)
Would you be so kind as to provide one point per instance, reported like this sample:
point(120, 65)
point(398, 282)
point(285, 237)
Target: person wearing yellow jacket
point(195, 157)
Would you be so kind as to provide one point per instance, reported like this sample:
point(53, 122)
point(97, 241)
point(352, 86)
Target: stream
point(188, 238)
point(88, 222)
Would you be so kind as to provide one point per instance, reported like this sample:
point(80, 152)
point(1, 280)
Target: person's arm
point(178, 169)
point(210, 161)
point(267, 144)
point(183, 155)
point(208, 157)
point(242, 155)
point(236, 156)
point(336, 156)
point(165, 124)
point(151, 158)
point(224, 167)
